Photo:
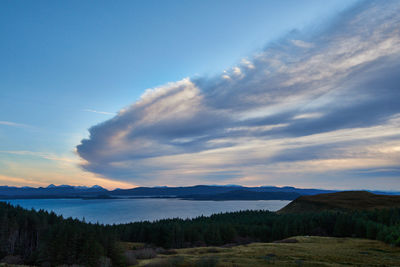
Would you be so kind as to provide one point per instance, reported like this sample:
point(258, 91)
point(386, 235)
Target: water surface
point(110, 211)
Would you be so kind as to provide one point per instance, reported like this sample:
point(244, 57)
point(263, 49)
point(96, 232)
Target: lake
point(110, 211)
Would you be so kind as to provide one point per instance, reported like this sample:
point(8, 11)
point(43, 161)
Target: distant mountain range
point(197, 192)
point(51, 191)
point(210, 190)
point(244, 195)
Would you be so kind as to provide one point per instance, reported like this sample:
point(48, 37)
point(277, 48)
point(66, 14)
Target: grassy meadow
point(308, 251)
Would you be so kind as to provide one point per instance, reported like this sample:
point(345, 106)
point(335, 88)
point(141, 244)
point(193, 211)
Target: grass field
point(309, 251)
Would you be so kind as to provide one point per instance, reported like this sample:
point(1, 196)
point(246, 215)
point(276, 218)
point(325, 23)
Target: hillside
point(244, 195)
point(209, 191)
point(346, 200)
point(306, 251)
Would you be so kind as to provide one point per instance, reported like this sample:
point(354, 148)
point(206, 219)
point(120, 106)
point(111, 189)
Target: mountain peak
point(97, 187)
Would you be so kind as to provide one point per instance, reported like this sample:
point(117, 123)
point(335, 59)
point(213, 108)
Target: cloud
point(14, 124)
point(43, 155)
point(99, 112)
point(307, 106)
point(308, 116)
point(18, 181)
point(302, 44)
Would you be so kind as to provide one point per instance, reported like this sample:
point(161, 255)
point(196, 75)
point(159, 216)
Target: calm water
point(109, 211)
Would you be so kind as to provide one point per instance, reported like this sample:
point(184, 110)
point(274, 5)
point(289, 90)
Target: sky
point(147, 93)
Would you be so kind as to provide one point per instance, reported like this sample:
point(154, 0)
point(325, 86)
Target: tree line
point(46, 239)
point(263, 226)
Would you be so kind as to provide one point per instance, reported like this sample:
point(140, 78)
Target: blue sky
point(69, 65)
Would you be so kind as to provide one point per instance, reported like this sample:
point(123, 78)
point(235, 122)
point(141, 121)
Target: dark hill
point(211, 190)
point(346, 200)
point(173, 191)
point(244, 195)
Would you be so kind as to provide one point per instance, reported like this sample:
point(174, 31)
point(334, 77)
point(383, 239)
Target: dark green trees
point(264, 226)
point(42, 238)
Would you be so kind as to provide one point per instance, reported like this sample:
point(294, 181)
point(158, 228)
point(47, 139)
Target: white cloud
point(302, 44)
point(15, 124)
point(296, 107)
point(248, 64)
point(99, 112)
point(308, 116)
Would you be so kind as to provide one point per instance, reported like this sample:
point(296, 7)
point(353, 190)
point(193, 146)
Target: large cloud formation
point(319, 109)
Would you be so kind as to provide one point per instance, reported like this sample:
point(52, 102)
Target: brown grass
point(347, 200)
point(309, 251)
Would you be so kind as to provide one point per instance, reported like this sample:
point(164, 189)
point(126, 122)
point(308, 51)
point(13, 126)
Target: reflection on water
point(110, 211)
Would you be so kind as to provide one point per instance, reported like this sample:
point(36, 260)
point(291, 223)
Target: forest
point(46, 239)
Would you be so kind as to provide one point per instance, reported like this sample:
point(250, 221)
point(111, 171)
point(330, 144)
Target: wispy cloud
point(18, 181)
point(14, 124)
point(43, 155)
point(99, 112)
point(306, 108)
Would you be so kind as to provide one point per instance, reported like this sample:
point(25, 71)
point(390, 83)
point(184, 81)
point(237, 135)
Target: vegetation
point(346, 200)
point(263, 226)
point(43, 238)
point(308, 251)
